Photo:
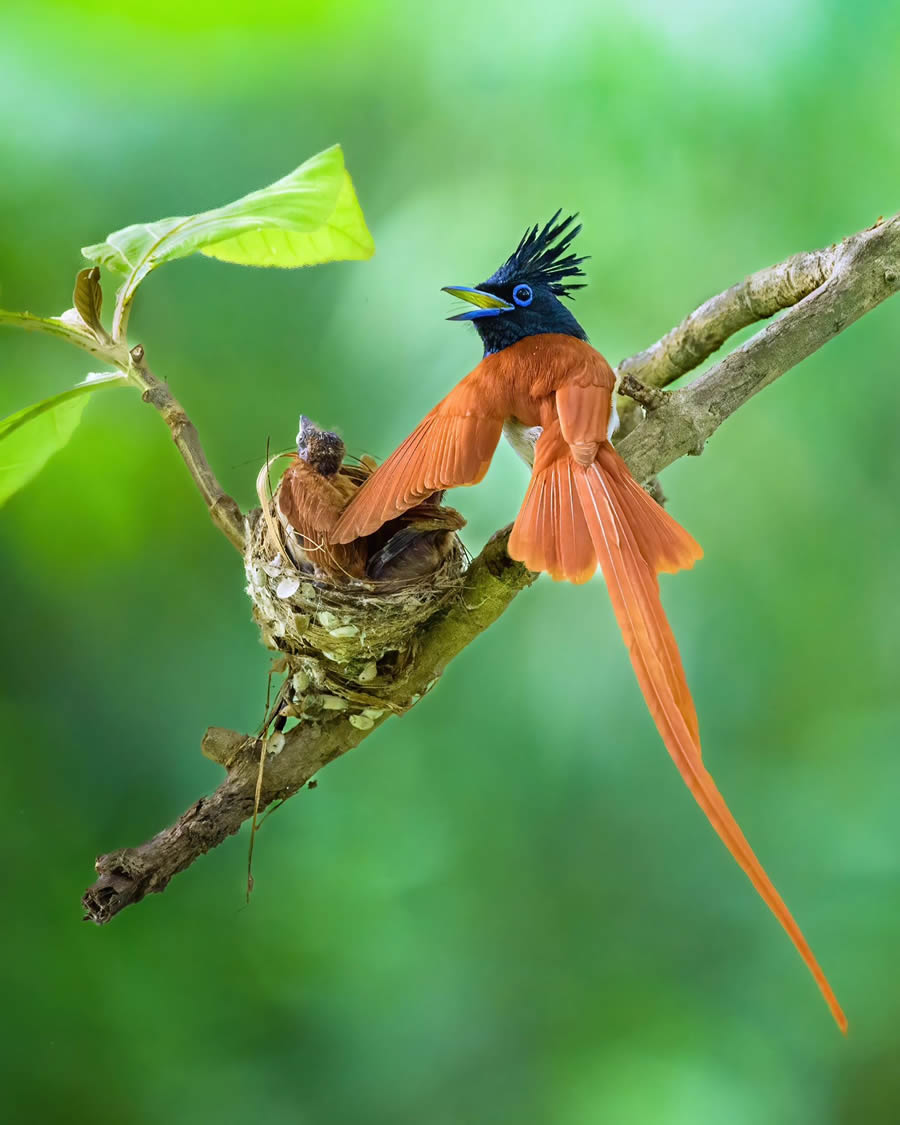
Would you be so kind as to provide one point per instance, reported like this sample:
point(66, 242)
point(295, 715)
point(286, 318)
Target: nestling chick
point(314, 490)
point(423, 541)
point(311, 496)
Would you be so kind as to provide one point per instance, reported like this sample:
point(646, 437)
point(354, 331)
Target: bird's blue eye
point(522, 295)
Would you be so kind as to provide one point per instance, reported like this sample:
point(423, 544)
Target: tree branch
point(864, 270)
point(706, 329)
point(127, 875)
point(223, 509)
point(825, 292)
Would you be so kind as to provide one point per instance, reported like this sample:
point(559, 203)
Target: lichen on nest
point(345, 644)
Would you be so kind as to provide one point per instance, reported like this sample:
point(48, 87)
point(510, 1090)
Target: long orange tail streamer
point(574, 517)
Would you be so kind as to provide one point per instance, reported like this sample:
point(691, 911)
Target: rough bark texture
point(125, 876)
point(856, 275)
point(824, 292)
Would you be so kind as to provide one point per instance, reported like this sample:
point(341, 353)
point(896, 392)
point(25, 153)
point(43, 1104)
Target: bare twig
point(223, 509)
point(828, 290)
point(225, 513)
point(651, 398)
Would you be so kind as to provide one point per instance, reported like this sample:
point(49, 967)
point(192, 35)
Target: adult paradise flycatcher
point(542, 383)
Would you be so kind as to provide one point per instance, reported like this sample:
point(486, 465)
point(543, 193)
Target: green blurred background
point(504, 907)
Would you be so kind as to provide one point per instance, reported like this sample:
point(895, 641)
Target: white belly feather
point(523, 438)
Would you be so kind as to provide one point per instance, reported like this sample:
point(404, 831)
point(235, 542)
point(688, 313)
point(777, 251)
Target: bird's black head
point(522, 298)
point(321, 449)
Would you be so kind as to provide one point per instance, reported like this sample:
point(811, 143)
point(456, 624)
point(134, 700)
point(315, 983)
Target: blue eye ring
point(522, 295)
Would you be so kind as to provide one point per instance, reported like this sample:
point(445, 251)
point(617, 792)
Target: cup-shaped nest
point(345, 639)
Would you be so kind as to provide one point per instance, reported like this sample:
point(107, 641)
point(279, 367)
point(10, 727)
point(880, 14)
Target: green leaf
point(308, 217)
point(88, 299)
point(29, 438)
point(280, 240)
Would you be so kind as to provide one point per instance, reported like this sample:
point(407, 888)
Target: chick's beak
point(486, 304)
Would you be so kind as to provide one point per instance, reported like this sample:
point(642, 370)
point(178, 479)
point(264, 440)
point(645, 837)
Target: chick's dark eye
point(522, 295)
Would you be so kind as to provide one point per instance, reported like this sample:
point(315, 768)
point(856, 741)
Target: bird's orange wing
point(452, 446)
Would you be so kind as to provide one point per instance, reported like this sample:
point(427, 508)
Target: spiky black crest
point(541, 257)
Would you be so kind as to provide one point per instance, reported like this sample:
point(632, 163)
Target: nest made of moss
point(344, 644)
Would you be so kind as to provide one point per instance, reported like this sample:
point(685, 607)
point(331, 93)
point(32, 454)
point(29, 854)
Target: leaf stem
point(54, 326)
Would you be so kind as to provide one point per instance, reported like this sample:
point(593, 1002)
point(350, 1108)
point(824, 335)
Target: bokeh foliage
point(504, 907)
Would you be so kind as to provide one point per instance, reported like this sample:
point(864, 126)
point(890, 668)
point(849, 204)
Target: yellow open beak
point(486, 304)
